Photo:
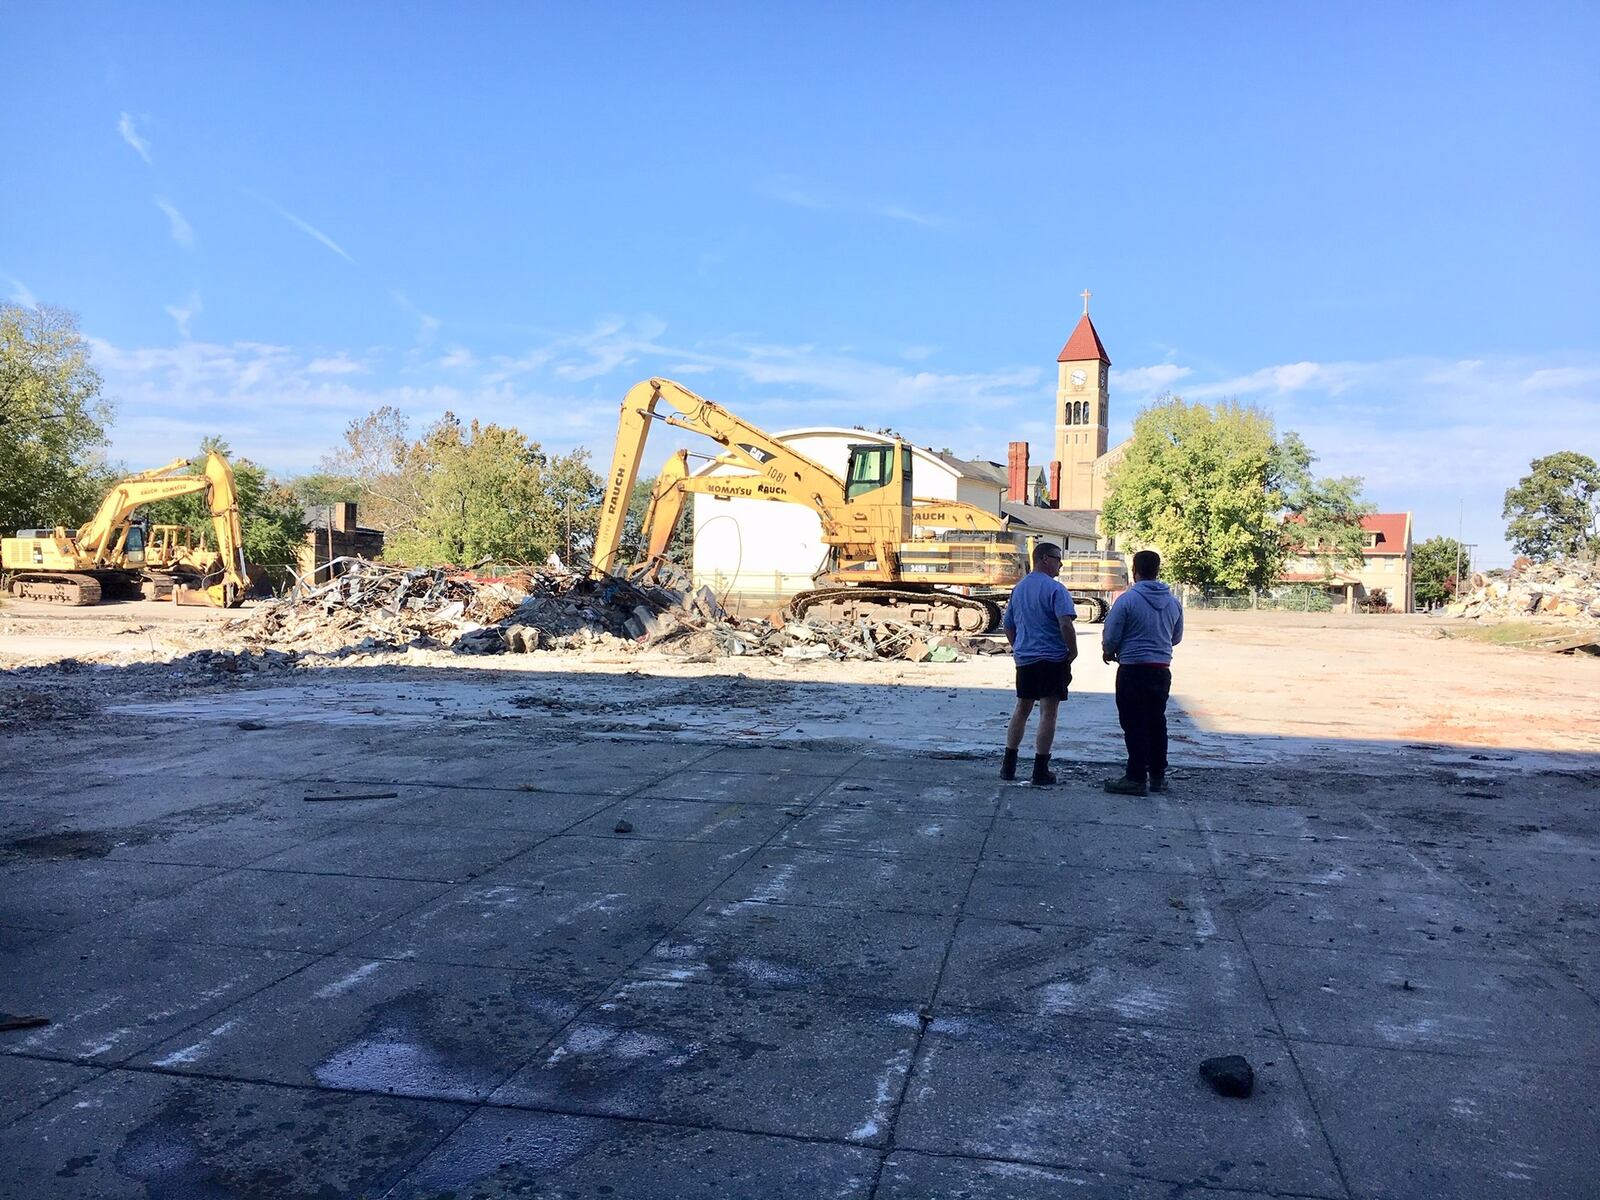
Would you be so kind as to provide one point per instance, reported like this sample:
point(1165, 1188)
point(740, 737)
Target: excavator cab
point(872, 467)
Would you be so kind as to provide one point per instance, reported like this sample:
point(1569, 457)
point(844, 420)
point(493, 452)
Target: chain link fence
point(1298, 598)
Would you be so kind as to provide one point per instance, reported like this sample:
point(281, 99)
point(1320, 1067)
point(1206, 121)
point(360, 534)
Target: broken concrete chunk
point(1229, 1075)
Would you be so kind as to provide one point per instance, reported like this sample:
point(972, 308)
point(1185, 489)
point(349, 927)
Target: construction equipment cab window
point(873, 466)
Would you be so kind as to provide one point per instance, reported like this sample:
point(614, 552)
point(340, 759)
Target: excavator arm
point(98, 538)
point(776, 471)
point(223, 498)
point(957, 514)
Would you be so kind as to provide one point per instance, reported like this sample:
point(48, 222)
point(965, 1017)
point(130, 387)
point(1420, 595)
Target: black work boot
point(1043, 776)
point(1008, 765)
point(1123, 786)
point(1158, 784)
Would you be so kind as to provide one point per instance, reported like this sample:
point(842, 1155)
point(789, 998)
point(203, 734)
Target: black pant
point(1142, 708)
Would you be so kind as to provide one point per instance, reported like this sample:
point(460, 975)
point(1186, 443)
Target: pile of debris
point(374, 608)
point(1568, 589)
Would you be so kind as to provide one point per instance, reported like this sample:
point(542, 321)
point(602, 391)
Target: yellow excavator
point(938, 562)
point(106, 559)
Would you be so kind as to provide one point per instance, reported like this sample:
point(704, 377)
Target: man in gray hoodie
point(1143, 626)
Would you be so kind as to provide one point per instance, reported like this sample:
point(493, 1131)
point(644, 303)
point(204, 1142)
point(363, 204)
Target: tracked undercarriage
point(63, 587)
point(941, 610)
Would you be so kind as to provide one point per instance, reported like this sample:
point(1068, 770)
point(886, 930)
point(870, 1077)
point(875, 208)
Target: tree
point(271, 517)
point(1555, 508)
point(319, 489)
point(1225, 500)
point(1433, 570)
point(1197, 484)
point(52, 420)
point(1323, 515)
point(572, 492)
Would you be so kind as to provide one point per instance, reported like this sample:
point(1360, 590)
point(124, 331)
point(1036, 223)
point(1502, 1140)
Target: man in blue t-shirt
point(1038, 624)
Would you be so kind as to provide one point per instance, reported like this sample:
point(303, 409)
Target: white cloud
point(339, 364)
point(130, 134)
point(23, 295)
point(302, 225)
point(457, 358)
point(1148, 381)
point(184, 313)
point(182, 231)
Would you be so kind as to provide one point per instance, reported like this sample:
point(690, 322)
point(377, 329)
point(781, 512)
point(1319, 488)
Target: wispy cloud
point(1147, 381)
point(184, 313)
point(130, 134)
point(22, 294)
point(427, 324)
point(182, 231)
point(823, 200)
point(304, 226)
point(338, 364)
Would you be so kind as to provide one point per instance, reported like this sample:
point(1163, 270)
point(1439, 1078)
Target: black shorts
point(1044, 680)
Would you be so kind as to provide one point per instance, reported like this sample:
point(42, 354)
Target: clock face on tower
point(1079, 378)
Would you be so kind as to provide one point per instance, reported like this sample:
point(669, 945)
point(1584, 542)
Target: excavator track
point(942, 610)
point(75, 590)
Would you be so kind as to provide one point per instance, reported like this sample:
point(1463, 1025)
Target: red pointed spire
point(1084, 344)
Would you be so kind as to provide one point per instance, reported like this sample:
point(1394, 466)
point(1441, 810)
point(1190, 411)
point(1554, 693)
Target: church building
point(1083, 417)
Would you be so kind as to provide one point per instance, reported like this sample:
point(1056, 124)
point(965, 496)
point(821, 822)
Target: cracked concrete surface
point(816, 967)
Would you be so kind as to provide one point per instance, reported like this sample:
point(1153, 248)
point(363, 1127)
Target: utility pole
point(1460, 518)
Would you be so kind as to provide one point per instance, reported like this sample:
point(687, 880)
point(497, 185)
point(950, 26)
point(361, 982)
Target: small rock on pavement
point(251, 725)
point(623, 827)
point(1229, 1075)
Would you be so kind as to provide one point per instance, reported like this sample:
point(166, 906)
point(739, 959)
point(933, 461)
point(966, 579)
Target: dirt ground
point(1267, 682)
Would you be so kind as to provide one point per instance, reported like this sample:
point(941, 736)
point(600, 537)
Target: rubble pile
point(375, 608)
point(1567, 589)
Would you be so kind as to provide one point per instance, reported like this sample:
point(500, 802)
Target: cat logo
point(756, 452)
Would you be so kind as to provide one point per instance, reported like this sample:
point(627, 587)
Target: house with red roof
point(1385, 566)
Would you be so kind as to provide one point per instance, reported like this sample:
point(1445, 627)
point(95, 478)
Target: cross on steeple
point(1086, 293)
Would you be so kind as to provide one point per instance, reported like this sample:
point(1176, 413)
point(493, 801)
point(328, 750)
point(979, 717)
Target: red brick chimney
point(1055, 485)
point(1017, 472)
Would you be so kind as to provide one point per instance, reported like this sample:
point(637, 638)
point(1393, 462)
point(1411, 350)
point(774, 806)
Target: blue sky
point(1375, 221)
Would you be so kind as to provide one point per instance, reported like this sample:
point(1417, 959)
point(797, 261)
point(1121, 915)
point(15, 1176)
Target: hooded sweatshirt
point(1144, 625)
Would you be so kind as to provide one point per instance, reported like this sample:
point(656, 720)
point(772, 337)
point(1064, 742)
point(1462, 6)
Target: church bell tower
point(1082, 396)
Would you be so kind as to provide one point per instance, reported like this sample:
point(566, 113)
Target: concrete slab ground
point(809, 969)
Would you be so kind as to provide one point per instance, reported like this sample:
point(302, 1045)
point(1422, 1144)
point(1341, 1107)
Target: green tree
point(570, 493)
point(1197, 483)
point(465, 493)
point(319, 489)
point(1323, 515)
point(1554, 510)
point(271, 517)
point(1433, 569)
point(52, 420)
